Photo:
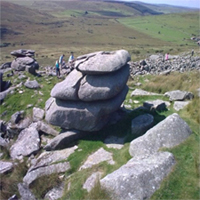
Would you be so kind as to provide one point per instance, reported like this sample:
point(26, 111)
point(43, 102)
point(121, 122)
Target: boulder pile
point(155, 64)
point(24, 61)
point(91, 93)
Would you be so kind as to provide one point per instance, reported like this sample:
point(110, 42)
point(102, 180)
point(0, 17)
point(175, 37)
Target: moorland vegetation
point(55, 27)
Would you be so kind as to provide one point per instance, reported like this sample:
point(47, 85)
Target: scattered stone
point(27, 143)
point(198, 91)
point(156, 105)
point(22, 52)
point(5, 65)
point(24, 192)
point(139, 178)
point(99, 156)
point(48, 158)
point(141, 124)
point(14, 197)
point(44, 128)
point(16, 117)
point(38, 114)
point(63, 140)
point(92, 181)
point(168, 133)
point(178, 105)
point(3, 142)
point(2, 127)
point(140, 92)
point(178, 95)
point(47, 170)
point(55, 193)
point(5, 166)
point(32, 84)
point(156, 65)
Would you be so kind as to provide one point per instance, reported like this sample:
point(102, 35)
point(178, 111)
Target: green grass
point(183, 182)
point(17, 101)
point(175, 28)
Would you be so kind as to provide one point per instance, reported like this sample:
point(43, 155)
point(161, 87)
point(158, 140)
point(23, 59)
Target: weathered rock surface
point(44, 128)
point(27, 143)
point(158, 105)
point(5, 166)
point(16, 117)
point(104, 86)
point(68, 89)
point(102, 62)
point(23, 52)
point(97, 157)
point(55, 193)
point(178, 95)
point(24, 192)
point(48, 158)
point(32, 84)
point(178, 105)
point(86, 116)
point(63, 140)
point(141, 124)
point(140, 92)
point(38, 114)
point(46, 170)
point(168, 133)
point(139, 178)
point(92, 181)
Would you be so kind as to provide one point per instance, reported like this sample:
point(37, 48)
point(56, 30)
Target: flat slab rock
point(27, 143)
point(48, 158)
point(5, 166)
point(179, 105)
point(139, 178)
point(178, 95)
point(140, 92)
point(63, 140)
point(46, 170)
point(102, 62)
point(99, 156)
point(168, 133)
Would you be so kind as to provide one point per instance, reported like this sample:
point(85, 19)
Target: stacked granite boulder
point(24, 61)
point(91, 93)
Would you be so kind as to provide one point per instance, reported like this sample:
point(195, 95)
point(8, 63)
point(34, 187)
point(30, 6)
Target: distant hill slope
point(14, 12)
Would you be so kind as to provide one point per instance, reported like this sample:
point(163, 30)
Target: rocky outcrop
point(24, 61)
point(91, 93)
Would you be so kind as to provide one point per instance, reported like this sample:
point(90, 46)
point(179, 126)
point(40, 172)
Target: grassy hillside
point(55, 27)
